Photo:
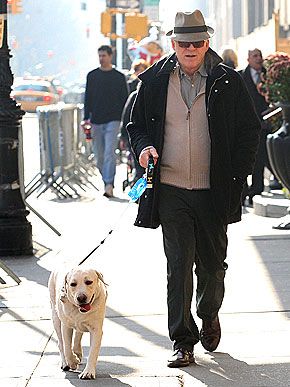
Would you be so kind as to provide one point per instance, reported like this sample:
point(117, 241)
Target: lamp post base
point(16, 239)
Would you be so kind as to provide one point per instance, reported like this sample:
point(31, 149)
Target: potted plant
point(275, 86)
point(275, 83)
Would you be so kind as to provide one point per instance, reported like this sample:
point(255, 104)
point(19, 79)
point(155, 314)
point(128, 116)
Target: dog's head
point(82, 288)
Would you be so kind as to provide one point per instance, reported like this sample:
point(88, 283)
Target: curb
point(272, 204)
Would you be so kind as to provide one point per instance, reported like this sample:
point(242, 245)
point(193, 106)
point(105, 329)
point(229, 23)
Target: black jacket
point(234, 131)
point(258, 100)
point(125, 119)
point(106, 95)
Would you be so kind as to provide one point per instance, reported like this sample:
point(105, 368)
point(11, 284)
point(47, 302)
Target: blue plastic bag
point(138, 189)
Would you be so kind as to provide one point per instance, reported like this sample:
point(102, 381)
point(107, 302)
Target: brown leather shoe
point(181, 358)
point(210, 334)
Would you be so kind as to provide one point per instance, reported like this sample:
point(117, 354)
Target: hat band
point(186, 30)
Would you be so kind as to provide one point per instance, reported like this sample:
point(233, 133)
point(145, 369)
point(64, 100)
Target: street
point(254, 349)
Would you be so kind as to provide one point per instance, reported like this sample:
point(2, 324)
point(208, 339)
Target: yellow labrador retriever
point(78, 301)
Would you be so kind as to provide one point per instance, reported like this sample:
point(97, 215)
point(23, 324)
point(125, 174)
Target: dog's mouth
point(84, 308)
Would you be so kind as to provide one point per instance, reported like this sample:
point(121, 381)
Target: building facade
point(246, 24)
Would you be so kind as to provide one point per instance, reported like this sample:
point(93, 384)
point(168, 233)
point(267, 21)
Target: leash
point(109, 233)
point(143, 183)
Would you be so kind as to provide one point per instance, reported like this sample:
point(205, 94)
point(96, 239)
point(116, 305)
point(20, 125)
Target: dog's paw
point(64, 365)
point(88, 373)
point(73, 362)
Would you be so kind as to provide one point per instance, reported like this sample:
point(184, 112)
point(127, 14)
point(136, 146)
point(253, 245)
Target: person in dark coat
point(195, 117)
point(138, 66)
point(252, 77)
point(124, 140)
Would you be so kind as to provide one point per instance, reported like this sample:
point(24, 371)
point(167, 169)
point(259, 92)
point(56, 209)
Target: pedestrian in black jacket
point(252, 77)
point(195, 117)
point(124, 140)
point(137, 68)
point(105, 97)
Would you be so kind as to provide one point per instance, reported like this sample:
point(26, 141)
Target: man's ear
point(173, 44)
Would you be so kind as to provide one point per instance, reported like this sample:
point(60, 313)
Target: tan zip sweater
point(186, 152)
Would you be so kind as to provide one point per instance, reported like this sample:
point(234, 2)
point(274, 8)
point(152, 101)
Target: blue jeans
point(104, 137)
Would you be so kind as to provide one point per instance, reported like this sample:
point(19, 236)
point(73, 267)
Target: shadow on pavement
point(222, 369)
point(28, 268)
point(274, 252)
point(18, 318)
point(146, 333)
point(106, 380)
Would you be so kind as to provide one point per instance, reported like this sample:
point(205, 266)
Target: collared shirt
point(191, 86)
point(256, 75)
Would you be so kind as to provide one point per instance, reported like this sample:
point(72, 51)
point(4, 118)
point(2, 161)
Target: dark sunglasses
point(198, 44)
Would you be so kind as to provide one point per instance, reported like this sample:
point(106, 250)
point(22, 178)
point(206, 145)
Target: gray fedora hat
point(190, 27)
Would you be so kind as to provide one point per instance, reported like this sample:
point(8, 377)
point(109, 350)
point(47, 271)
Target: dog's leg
point(77, 347)
point(95, 343)
point(57, 327)
point(55, 319)
point(71, 359)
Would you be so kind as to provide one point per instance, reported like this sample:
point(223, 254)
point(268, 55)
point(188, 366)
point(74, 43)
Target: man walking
point(252, 77)
point(195, 117)
point(105, 97)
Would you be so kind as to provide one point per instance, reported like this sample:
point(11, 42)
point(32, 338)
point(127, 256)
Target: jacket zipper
point(188, 119)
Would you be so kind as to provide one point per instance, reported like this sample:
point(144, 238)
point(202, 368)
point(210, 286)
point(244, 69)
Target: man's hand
point(145, 154)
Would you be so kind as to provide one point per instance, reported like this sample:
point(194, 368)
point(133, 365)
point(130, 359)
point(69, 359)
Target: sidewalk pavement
point(255, 316)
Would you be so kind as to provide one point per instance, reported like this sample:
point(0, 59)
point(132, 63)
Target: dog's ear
point(63, 290)
point(101, 278)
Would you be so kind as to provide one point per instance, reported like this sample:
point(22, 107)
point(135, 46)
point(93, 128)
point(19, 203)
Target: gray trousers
point(193, 235)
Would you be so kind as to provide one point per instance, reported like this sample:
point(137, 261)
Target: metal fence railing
point(66, 160)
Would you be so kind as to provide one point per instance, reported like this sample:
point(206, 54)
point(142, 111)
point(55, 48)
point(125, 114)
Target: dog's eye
point(73, 284)
point(88, 282)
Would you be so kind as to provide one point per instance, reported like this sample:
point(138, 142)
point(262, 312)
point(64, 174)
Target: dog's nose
point(82, 298)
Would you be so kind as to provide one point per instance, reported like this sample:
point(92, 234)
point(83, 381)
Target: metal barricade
point(65, 159)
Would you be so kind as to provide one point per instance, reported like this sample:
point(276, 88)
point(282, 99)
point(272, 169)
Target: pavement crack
point(39, 360)
point(134, 315)
point(25, 320)
point(258, 311)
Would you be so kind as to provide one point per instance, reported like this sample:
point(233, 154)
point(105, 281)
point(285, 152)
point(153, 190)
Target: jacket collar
point(211, 60)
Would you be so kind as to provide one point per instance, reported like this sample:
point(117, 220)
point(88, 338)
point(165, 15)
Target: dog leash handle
point(150, 172)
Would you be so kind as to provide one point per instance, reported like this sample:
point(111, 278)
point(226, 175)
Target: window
point(271, 4)
point(32, 87)
point(237, 19)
